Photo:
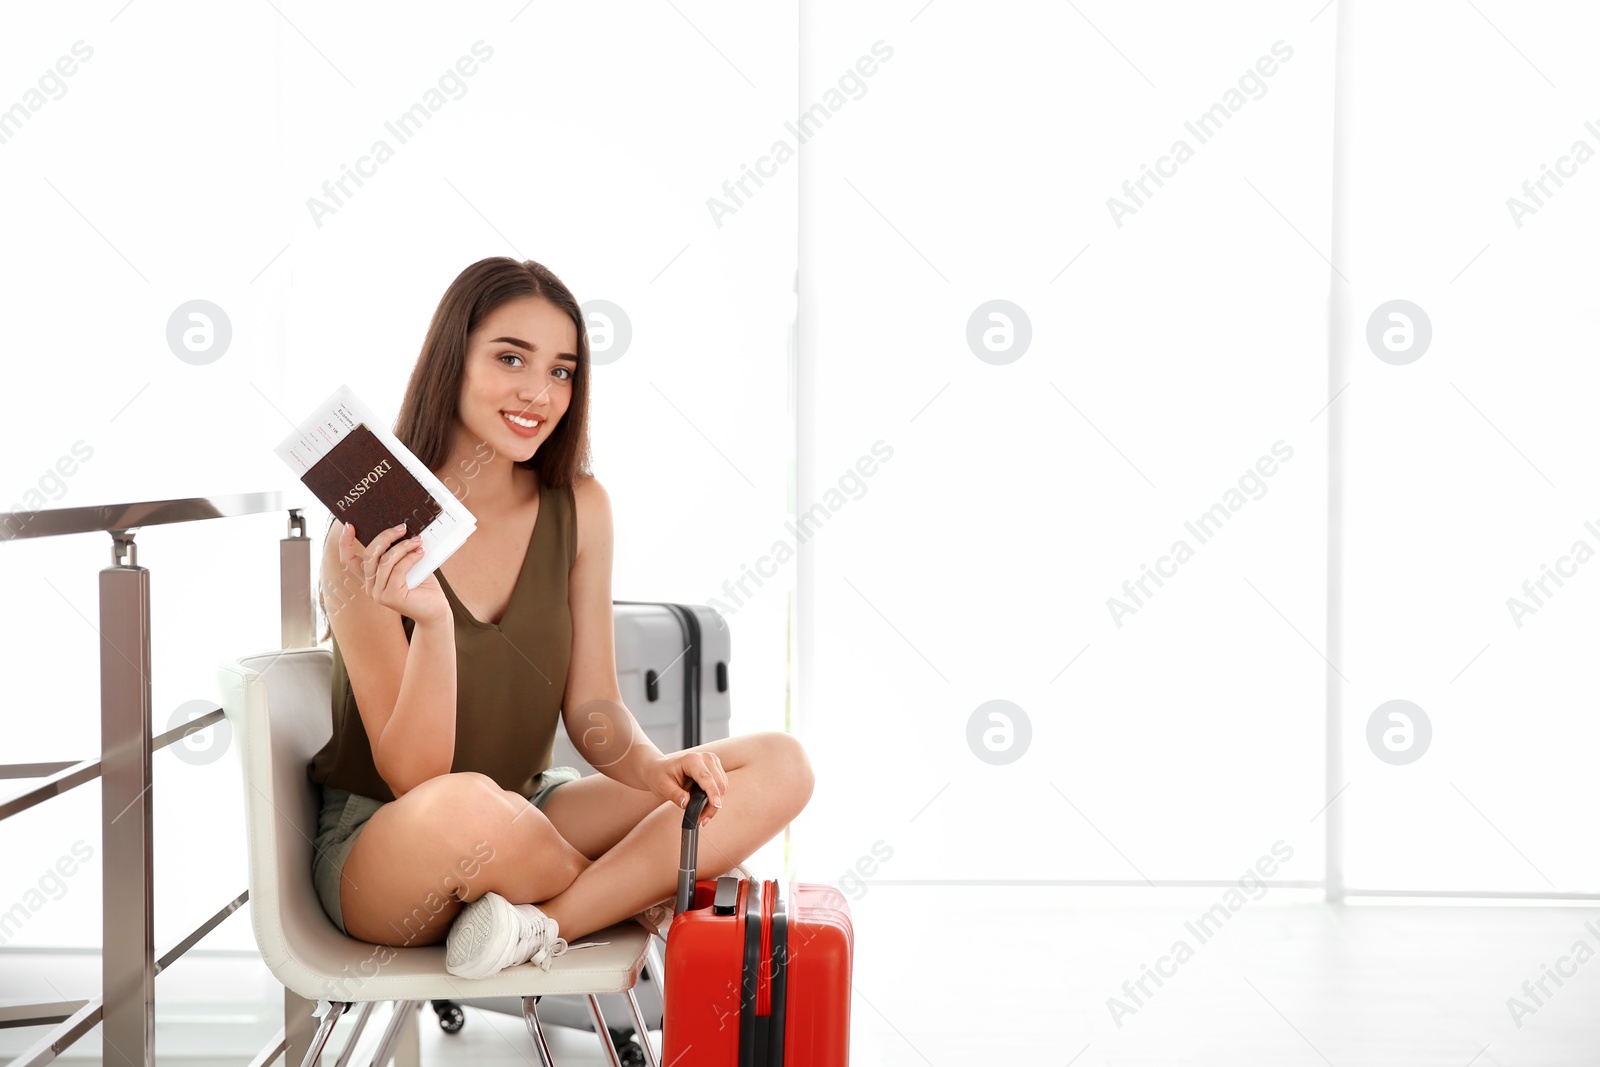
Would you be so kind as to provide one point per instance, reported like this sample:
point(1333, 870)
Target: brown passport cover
point(362, 483)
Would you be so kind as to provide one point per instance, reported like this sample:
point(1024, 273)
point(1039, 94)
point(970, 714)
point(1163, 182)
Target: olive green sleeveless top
point(511, 677)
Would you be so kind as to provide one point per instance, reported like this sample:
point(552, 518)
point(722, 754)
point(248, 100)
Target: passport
point(362, 483)
point(367, 478)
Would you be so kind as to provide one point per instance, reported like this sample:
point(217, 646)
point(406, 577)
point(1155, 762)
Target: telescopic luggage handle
point(688, 855)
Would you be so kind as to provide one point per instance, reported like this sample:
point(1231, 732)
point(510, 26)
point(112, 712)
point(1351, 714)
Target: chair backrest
point(278, 705)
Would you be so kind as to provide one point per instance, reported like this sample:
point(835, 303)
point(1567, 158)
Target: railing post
point(128, 970)
point(299, 631)
point(294, 573)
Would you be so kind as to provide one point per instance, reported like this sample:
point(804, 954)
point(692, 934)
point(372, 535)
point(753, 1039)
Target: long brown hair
point(428, 413)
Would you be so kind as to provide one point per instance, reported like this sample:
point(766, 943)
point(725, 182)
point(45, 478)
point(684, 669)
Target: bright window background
point(1467, 471)
point(1167, 358)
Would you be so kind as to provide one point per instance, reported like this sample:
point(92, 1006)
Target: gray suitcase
point(672, 669)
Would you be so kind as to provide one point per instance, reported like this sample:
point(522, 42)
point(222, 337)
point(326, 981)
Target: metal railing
point(129, 963)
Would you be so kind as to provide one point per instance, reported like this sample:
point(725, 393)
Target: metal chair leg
point(644, 1031)
point(391, 1033)
point(605, 1035)
point(658, 966)
point(355, 1035)
point(530, 1015)
point(324, 1031)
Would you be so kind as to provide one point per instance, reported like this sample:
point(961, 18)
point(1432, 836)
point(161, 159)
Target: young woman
point(441, 817)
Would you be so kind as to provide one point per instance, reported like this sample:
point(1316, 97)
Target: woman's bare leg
point(442, 845)
point(769, 782)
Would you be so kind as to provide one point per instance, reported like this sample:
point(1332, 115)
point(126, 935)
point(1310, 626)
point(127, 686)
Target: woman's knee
point(791, 766)
point(470, 810)
point(518, 835)
point(411, 866)
point(460, 798)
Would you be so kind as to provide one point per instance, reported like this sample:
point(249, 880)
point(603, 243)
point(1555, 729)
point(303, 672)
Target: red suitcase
point(754, 978)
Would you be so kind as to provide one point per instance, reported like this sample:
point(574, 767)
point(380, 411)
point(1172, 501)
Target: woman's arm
point(616, 745)
point(610, 739)
point(601, 728)
point(406, 692)
point(419, 740)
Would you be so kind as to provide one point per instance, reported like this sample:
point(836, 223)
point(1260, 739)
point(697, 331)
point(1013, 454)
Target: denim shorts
point(343, 816)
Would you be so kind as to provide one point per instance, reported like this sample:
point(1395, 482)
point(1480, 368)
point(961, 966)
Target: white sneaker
point(491, 934)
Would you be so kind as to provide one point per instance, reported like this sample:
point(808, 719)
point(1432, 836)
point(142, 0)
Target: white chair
point(277, 704)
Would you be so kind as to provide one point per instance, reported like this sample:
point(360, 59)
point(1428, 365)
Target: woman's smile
point(528, 426)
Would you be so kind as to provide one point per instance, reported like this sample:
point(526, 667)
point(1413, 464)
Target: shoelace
point(558, 948)
point(531, 936)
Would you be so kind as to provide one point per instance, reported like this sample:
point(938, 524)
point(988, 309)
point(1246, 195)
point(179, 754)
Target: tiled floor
point(1272, 984)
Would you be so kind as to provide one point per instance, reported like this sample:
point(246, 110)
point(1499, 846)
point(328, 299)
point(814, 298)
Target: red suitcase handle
point(689, 853)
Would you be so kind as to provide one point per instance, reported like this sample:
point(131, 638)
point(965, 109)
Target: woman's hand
point(669, 777)
point(380, 569)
